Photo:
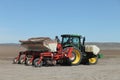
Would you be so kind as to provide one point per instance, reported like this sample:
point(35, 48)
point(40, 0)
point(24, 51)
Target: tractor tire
point(36, 63)
point(93, 60)
point(28, 63)
point(76, 59)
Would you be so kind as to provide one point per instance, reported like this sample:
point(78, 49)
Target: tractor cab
point(77, 41)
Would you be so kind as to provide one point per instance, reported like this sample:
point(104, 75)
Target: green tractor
point(81, 54)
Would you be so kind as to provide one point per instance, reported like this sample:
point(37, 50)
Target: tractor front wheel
point(93, 60)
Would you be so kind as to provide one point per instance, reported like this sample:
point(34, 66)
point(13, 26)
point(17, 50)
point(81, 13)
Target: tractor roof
point(72, 35)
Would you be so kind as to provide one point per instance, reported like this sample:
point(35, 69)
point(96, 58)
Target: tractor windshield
point(65, 40)
point(68, 41)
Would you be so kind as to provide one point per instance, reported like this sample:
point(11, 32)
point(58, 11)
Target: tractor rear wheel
point(76, 57)
point(93, 60)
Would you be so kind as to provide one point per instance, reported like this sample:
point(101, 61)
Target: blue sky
point(98, 20)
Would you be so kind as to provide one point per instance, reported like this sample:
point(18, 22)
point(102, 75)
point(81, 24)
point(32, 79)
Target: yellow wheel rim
point(92, 60)
point(77, 56)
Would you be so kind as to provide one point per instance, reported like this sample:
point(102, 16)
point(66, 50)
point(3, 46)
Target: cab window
point(76, 41)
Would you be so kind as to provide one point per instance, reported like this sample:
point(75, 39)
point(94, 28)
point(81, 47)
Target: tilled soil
point(106, 69)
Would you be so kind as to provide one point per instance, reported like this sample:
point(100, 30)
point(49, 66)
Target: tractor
point(46, 52)
point(85, 54)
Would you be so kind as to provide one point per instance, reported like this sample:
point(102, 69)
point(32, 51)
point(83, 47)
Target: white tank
point(92, 48)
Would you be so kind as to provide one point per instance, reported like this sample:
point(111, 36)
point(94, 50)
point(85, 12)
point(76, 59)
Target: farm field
point(108, 68)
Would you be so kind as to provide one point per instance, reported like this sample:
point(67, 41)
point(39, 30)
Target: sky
point(97, 20)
